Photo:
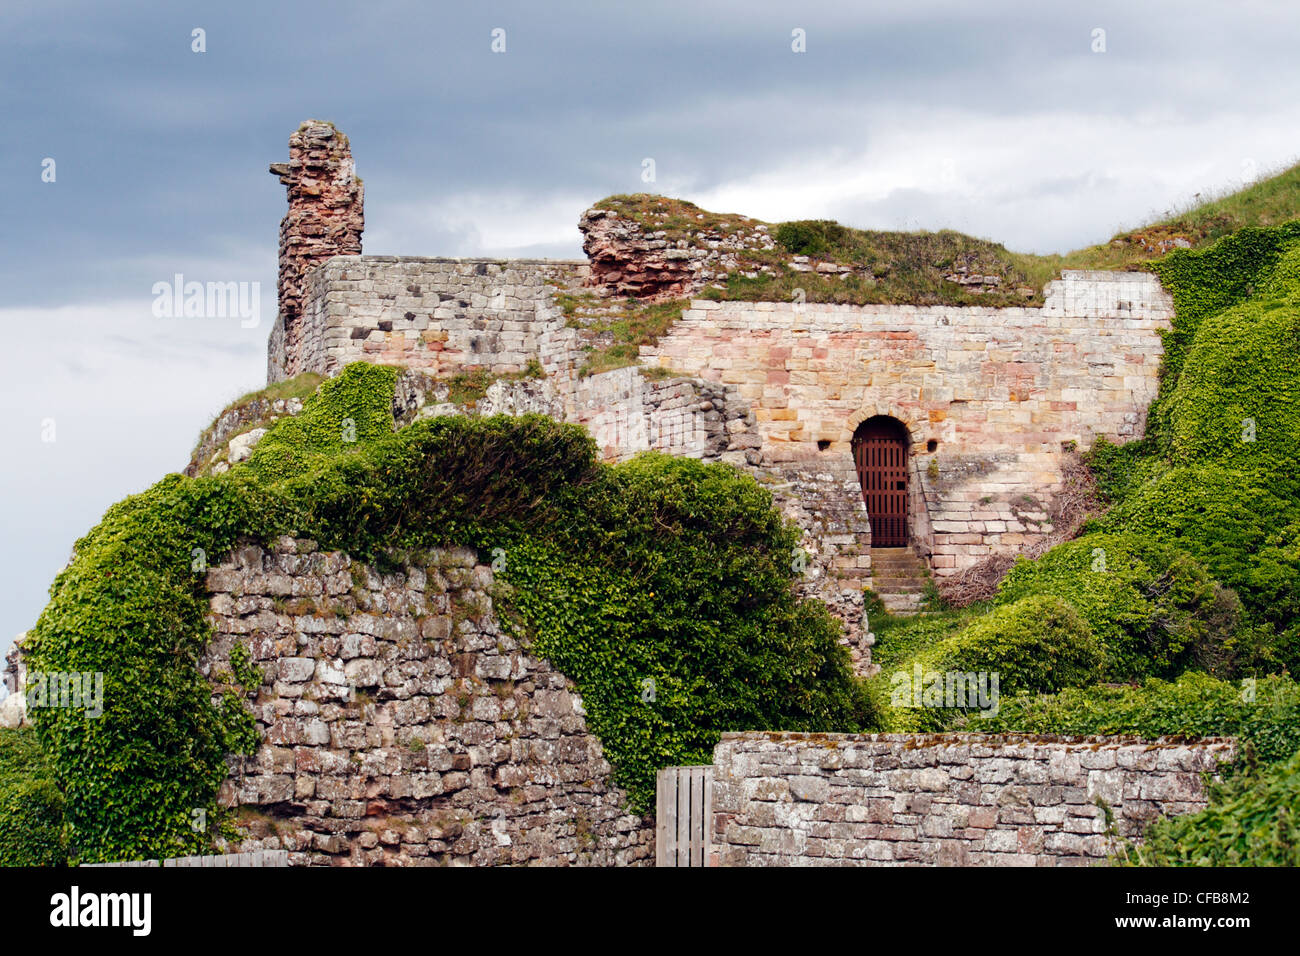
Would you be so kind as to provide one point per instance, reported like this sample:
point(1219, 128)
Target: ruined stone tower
point(325, 218)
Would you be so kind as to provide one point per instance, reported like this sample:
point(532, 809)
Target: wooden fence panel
point(683, 815)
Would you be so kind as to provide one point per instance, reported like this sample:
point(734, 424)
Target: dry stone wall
point(785, 799)
point(400, 725)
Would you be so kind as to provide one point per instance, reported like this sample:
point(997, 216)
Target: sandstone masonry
point(992, 398)
point(784, 799)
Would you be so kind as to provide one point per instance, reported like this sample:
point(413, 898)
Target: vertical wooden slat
point(666, 817)
point(880, 458)
point(706, 831)
point(683, 816)
point(697, 816)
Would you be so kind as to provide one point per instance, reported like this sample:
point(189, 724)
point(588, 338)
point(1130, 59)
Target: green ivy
point(1206, 281)
point(31, 804)
point(662, 570)
point(1154, 608)
point(1265, 713)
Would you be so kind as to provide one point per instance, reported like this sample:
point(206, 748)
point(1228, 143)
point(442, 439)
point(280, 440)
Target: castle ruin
point(939, 434)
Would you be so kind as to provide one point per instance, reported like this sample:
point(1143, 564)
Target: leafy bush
point(1205, 281)
point(1154, 608)
point(678, 573)
point(1251, 821)
point(899, 639)
point(1266, 714)
point(1219, 472)
point(1121, 470)
point(131, 607)
point(1242, 526)
point(31, 805)
point(810, 237)
point(1237, 400)
point(1037, 644)
point(659, 568)
point(346, 413)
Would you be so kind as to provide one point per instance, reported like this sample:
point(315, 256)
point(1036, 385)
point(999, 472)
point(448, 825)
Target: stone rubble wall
point(825, 503)
point(783, 799)
point(628, 261)
point(326, 218)
point(627, 414)
point(1000, 392)
point(400, 725)
point(13, 708)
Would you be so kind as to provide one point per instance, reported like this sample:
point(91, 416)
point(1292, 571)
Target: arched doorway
point(880, 454)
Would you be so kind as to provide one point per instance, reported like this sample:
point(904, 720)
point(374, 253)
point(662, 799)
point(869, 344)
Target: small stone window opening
point(932, 445)
point(823, 444)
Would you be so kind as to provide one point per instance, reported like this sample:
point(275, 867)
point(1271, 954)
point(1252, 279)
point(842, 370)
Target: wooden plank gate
point(683, 816)
point(880, 454)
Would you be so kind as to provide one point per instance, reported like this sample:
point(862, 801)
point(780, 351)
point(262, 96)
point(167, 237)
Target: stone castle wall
point(447, 316)
point(998, 393)
point(401, 726)
point(783, 799)
point(442, 316)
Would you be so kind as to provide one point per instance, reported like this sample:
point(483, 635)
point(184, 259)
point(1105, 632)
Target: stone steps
point(898, 577)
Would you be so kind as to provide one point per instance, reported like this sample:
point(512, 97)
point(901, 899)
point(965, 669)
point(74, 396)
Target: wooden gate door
point(880, 454)
point(683, 816)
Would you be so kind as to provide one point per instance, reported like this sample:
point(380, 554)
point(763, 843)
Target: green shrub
point(1237, 401)
point(1219, 474)
point(131, 607)
point(810, 237)
point(1242, 526)
point(1121, 470)
point(678, 574)
point(1154, 608)
point(1205, 281)
point(345, 415)
point(899, 639)
point(1268, 717)
point(1251, 821)
point(659, 569)
point(1037, 644)
point(31, 805)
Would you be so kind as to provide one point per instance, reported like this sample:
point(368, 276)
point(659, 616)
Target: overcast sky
point(999, 119)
